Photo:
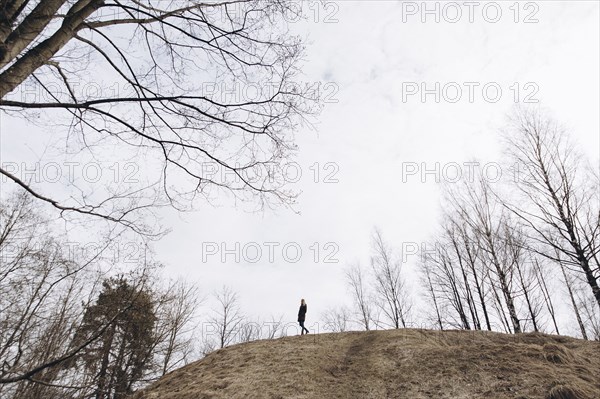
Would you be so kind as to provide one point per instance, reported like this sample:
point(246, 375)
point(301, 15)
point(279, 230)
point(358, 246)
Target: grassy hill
point(393, 364)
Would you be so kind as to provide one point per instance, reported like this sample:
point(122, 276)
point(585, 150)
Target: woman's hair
point(302, 301)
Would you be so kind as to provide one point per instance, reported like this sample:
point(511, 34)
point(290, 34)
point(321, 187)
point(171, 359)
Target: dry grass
point(410, 364)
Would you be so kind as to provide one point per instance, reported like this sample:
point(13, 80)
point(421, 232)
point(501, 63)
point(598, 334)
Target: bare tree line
point(105, 334)
point(502, 247)
point(227, 324)
point(380, 296)
point(513, 255)
point(83, 327)
point(72, 326)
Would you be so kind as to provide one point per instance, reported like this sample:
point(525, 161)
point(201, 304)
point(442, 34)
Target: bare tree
point(48, 291)
point(431, 288)
point(465, 285)
point(559, 202)
point(453, 272)
point(540, 276)
point(163, 74)
point(337, 319)
point(446, 286)
point(274, 327)
point(389, 286)
point(356, 281)
point(176, 308)
point(467, 240)
point(569, 284)
point(249, 330)
point(227, 318)
point(590, 314)
point(526, 286)
point(480, 208)
point(42, 291)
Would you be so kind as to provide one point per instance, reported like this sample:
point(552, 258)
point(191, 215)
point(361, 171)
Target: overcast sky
point(373, 59)
point(363, 140)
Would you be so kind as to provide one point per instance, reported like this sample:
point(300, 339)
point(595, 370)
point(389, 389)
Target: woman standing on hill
point(302, 316)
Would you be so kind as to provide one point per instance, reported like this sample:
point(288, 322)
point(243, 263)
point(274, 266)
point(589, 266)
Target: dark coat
point(302, 313)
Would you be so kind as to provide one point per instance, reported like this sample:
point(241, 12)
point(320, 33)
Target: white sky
point(369, 53)
point(370, 132)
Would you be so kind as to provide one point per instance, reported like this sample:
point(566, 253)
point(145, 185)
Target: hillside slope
point(393, 364)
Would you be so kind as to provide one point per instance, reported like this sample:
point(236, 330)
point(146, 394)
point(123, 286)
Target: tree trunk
point(435, 304)
point(505, 290)
point(547, 298)
point(44, 51)
point(101, 390)
point(574, 303)
point(527, 298)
